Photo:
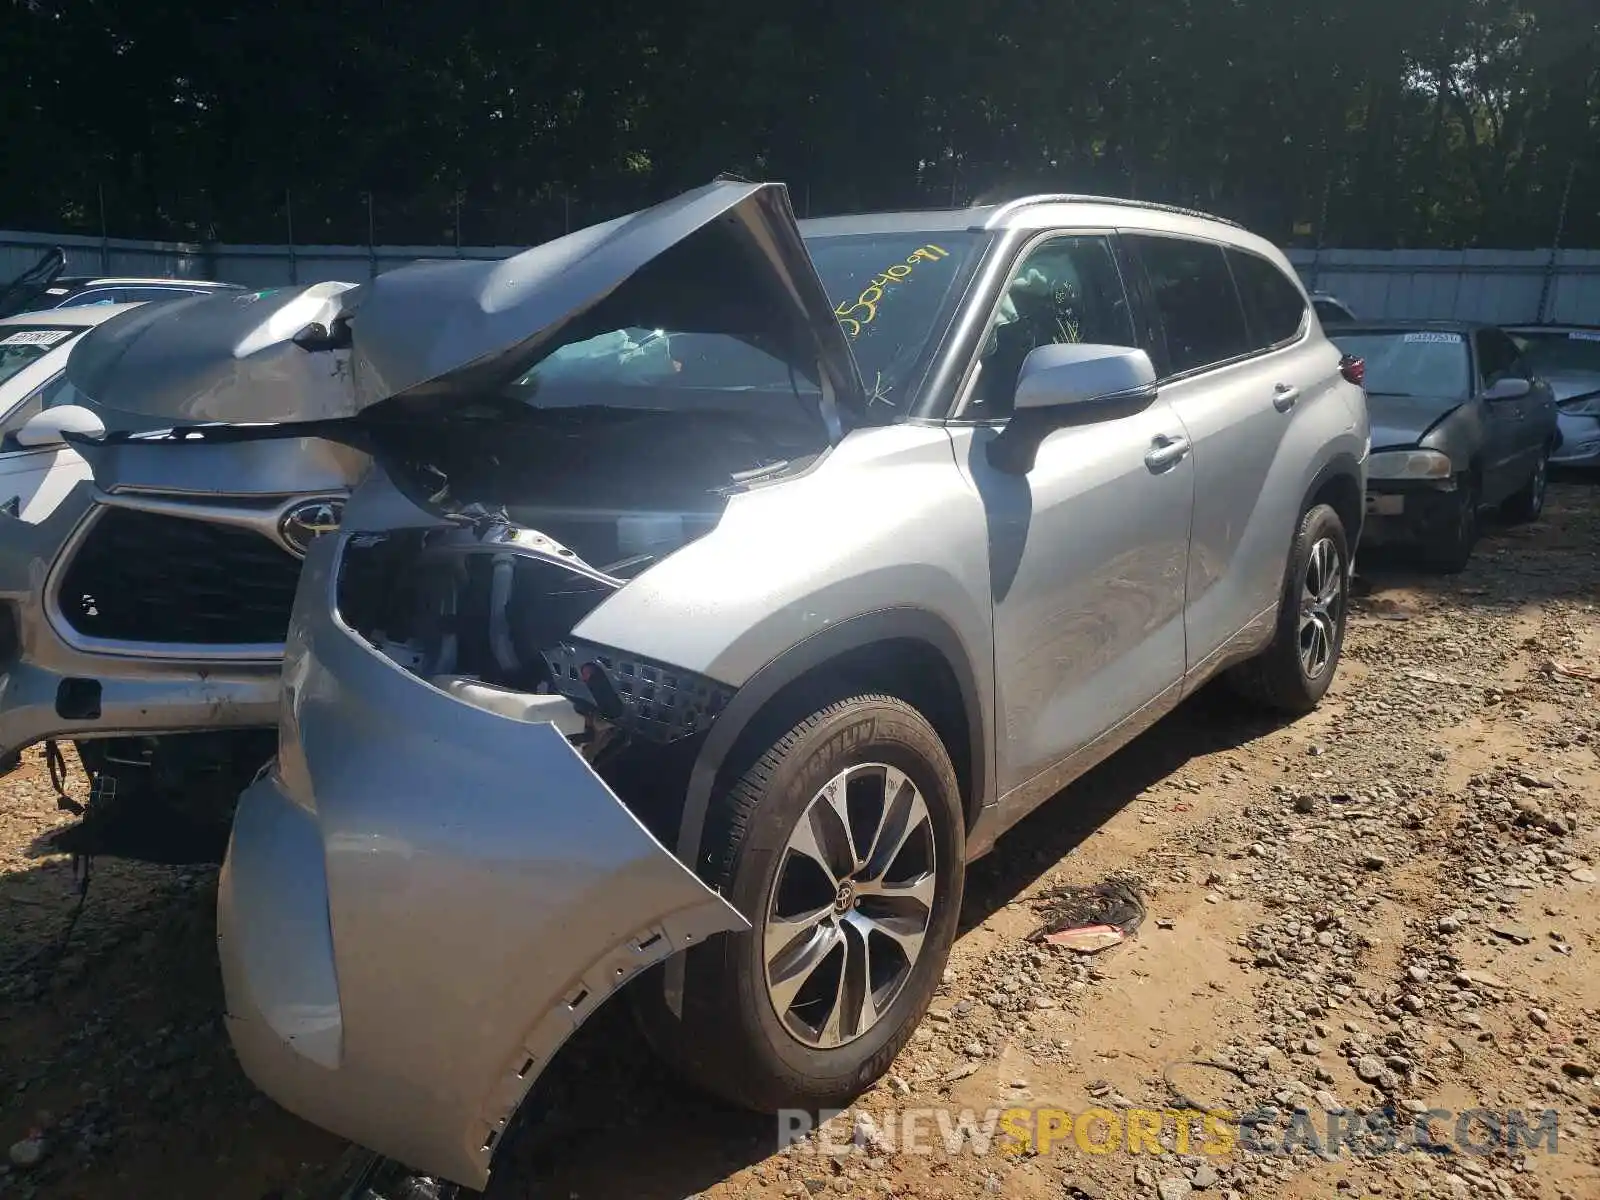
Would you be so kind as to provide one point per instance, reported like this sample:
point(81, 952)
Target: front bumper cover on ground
point(423, 899)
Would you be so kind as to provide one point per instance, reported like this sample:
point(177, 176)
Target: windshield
point(1428, 364)
point(892, 292)
point(1576, 350)
point(21, 348)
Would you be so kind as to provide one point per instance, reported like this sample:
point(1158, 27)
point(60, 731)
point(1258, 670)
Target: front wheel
point(845, 846)
point(1448, 549)
point(1297, 668)
point(1528, 503)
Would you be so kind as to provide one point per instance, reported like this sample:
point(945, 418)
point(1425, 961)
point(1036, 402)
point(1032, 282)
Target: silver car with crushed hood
point(1460, 423)
point(722, 586)
point(143, 610)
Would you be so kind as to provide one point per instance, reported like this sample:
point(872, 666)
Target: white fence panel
point(1510, 286)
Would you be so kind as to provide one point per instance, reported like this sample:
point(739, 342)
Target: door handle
point(1166, 451)
point(1285, 396)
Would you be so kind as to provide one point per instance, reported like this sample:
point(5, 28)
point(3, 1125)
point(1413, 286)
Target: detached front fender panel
point(484, 893)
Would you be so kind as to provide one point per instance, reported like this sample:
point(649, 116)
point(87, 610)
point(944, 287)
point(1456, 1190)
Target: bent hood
point(726, 258)
point(1572, 385)
point(1403, 420)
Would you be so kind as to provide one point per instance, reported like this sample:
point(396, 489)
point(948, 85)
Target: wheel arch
point(891, 650)
point(1338, 485)
point(910, 653)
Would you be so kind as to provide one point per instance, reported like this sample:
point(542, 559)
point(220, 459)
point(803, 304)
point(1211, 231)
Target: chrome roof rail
point(1010, 207)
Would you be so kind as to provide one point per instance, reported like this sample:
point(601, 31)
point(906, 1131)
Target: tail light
point(1354, 369)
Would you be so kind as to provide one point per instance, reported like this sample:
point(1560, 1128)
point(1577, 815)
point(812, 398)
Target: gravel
point(1390, 901)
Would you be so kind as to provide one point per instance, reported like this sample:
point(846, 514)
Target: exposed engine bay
point(484, 608)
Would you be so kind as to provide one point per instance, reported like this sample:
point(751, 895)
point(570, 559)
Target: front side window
point(1194, 293)
point(93, 296)
point(1066, 290)
point(1497, 356)
point(1273, 305)
point(1412, 363)
point(1576, 350)
point(52, 394)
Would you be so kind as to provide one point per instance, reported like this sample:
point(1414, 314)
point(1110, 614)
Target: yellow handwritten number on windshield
point(855, 317)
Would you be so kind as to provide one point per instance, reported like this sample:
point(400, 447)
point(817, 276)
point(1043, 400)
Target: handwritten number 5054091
point(853, 317)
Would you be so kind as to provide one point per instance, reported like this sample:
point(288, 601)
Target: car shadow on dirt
point(605, 1111)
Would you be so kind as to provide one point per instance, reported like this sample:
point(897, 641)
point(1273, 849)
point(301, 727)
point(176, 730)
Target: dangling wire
point(82, 864)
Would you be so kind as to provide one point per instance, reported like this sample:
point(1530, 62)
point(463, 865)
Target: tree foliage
point(1418, 123)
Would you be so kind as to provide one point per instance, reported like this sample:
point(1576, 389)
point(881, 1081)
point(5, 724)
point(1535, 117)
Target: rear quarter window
point(1273, 304)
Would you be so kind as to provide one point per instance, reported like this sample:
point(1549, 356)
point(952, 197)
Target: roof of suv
point(79, 282)
point(84, 316)
point(1005, 215)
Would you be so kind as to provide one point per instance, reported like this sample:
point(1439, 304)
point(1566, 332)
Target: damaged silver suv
point(723, 586)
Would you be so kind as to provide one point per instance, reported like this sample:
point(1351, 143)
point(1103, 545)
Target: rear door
point(1237, 366)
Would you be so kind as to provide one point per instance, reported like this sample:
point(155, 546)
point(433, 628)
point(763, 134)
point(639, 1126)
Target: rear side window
point(1193, 292)
point(1273, 305)
point(93, 296)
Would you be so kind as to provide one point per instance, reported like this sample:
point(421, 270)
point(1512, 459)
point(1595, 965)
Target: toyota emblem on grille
point(307, 521)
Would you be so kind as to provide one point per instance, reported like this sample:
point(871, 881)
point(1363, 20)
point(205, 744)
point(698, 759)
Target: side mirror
point(1059, 382)
point(1054, 377)
point(47, 428)
point(1509, 388)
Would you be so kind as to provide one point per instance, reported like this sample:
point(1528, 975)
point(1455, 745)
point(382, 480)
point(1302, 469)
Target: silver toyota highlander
point(721, 587)
point(143, 610)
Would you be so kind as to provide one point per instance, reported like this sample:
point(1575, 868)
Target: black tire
point(731, 1040)
point(1449, 548)
point(1526, 504)
point(1278, 677)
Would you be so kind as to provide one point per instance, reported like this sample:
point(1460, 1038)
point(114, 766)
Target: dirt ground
point(1391, 901)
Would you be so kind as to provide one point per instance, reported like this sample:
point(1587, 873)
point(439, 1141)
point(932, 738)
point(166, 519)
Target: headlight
point(1409, 464)
point(1589, 406)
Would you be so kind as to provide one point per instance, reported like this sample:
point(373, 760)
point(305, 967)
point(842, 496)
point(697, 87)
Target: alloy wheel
point(1322, 598)
point(850, 905)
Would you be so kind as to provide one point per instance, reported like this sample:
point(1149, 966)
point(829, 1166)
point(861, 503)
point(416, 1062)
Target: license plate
point(1385, 506)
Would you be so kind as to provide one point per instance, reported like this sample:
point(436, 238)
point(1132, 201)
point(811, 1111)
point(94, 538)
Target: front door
point(1087, 551)
point(1508, 449)
point(34, 481)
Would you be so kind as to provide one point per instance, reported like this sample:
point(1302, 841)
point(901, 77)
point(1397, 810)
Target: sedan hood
point(1573, 384)
point(1403, 420)
point(726, 258)
point(228, 358)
